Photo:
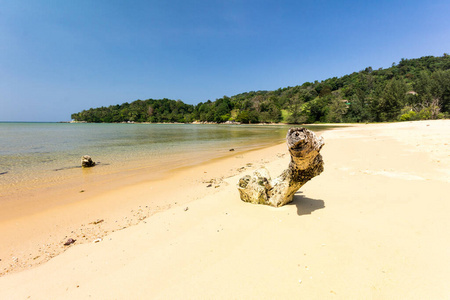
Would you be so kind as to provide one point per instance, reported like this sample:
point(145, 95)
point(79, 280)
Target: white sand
point(373, 225)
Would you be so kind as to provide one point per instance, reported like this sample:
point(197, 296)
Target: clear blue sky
point(60, 57)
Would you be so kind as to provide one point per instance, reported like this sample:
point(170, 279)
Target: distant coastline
point(413, 89)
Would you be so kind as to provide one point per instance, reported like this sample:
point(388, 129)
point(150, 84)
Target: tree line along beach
point(412, 89)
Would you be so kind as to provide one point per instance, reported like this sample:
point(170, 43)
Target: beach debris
point(97, 240)
point(306, 162)
point(15, 259)
point(87, 162)
point(231, 149)
point(215, 181)
point(186, 208)
point(3, 173)
point(69, 242)
point(97, 222)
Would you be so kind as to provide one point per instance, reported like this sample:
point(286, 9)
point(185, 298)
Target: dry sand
point(373, 225)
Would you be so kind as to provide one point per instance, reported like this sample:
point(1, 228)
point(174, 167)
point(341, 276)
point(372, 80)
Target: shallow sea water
point(45, 154)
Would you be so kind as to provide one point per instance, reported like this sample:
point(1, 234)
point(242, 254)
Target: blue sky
point(60, 57)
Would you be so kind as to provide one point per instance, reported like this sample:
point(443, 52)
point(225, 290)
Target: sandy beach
point(373, 225)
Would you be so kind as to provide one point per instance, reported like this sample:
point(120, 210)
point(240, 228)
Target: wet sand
point(35, 224)
point(373, 225)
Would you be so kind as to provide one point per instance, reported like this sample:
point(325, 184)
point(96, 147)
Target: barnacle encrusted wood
point(306, 162)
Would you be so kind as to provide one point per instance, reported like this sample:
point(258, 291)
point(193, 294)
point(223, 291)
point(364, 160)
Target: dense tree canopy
point(410, 90)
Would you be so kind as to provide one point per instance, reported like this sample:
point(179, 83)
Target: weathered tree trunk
point(306, 162)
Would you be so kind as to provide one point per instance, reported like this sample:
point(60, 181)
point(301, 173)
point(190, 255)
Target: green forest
point(413, 89)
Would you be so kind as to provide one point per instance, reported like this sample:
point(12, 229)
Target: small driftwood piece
point(306, 162)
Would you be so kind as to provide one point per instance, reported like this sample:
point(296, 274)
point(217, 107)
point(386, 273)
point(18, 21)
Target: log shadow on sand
point(305, 206)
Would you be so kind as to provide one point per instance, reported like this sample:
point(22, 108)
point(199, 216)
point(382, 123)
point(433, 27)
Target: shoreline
point(47, 176)
point(67, 219)
point(222, 123)
point(34, 186)
point(372, 225)
point(96, 181)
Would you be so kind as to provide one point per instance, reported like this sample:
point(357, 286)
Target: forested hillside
point(410, 90)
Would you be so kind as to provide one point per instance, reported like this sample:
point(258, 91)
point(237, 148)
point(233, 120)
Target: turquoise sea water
point(36, 153)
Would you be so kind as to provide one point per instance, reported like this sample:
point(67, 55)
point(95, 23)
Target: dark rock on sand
point(87, 162)
point(69, 242)
point(97, 222)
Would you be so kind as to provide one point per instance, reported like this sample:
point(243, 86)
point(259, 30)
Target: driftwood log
point(306, 162)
